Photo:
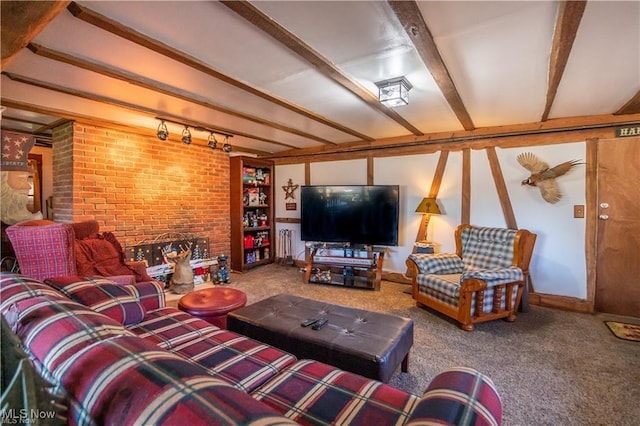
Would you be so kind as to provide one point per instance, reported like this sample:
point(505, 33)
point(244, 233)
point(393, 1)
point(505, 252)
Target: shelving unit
point(348, 267)
point(251, 212)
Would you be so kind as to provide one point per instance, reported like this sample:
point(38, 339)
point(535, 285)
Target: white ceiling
point(496, 53)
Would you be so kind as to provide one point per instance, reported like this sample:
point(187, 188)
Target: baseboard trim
point(539, 299)
point(561, 302)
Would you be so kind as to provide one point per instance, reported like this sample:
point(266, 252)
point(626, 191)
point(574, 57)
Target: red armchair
point(46, 249)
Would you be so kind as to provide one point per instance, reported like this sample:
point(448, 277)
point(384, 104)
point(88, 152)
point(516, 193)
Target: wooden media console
point(348, 267)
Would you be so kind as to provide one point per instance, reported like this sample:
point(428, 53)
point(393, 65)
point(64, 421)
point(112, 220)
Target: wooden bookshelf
point(252, 197)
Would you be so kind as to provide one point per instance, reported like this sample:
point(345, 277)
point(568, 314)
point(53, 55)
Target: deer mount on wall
point(544, 177)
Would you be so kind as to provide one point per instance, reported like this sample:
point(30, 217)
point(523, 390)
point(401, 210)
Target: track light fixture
point(163, 132)
point(212, 142)
point(186, 135)
point(226, 147)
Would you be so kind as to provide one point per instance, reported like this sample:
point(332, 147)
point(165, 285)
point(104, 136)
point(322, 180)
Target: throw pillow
point(102, 295)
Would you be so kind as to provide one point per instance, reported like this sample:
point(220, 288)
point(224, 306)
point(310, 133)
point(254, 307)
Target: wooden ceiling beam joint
point(631, 107)
point(410, 17)
point(567, 23)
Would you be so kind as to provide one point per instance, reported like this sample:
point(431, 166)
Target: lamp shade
point(428, 206)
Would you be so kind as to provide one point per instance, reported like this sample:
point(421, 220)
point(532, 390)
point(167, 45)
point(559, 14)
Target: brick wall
point(139, 187)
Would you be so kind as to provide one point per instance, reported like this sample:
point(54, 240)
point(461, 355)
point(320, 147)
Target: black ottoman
point(367, 343)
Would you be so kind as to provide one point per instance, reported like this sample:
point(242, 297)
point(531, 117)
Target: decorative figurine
point(182, 279)
point(223, 270)
point(214, 272)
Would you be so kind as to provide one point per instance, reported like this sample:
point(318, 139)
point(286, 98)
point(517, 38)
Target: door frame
point(591, 215)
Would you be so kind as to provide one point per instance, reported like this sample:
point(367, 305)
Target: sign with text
point(627, 131)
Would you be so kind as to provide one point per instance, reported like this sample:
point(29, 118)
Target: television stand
point(348, 267)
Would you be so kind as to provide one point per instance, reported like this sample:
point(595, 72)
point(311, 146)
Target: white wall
point(282, 176)
point(558, 265)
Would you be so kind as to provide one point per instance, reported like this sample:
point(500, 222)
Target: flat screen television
point(354, 214)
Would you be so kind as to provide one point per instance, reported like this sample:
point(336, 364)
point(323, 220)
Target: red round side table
point(213, 304)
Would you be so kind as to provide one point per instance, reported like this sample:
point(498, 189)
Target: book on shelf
point(249, 175)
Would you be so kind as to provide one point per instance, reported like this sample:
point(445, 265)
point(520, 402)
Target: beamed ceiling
point(289, 78)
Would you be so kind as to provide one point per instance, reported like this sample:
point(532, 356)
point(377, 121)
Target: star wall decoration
point(289, 188)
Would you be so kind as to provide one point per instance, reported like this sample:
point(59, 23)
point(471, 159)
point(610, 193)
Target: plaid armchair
point(484, 280)
point(46, 249)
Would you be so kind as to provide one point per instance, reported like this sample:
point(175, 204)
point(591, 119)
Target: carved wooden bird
point(544, 177)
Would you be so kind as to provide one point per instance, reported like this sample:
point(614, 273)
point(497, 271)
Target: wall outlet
point(578, 211)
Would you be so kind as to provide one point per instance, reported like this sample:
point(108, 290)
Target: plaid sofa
point(114, 366)
point(482, 281)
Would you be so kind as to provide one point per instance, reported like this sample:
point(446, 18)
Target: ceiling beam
point(22, 120)
point(550, 127)
point(21, 21)
point(321, 64)
point(162, 88)
point(135, 108)
point(52, 126)
point(631, 107)
point(136, 37)
point(567, 23)
point(12, 103)
point(411, 19)
point(20, 130)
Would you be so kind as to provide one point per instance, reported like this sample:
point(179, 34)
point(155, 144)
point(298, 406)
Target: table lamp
point(427, 207)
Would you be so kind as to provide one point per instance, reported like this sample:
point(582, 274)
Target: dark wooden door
point(618, 227)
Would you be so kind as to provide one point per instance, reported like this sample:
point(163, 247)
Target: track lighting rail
point(163, 134)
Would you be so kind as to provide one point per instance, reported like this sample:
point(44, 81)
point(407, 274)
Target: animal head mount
point(174, 257)
point(544, 177)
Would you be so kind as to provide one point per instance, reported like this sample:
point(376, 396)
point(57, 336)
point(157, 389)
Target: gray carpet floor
point(551, 367)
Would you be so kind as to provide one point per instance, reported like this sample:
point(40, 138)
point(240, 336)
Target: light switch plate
point(578, 211)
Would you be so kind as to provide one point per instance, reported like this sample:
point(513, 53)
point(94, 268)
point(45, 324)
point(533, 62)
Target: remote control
point(318, 325)
point(308, 322)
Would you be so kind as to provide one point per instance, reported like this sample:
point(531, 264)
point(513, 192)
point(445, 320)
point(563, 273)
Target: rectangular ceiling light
point(394, 92)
